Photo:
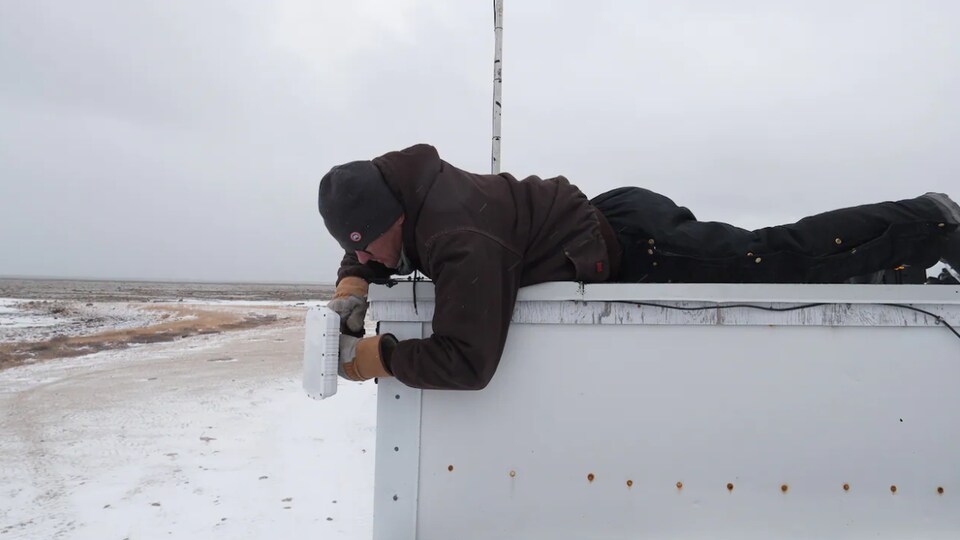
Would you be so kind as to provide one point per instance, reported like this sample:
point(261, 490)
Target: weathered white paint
point(497, 84)
point(571, 303)
point(810, 400)
point(603, 312)
point(704, 292)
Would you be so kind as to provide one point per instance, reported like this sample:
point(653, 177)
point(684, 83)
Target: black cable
point(939, 319)
point(725, 306)
point(415, 272)
point(417, 277)
point(390, 282)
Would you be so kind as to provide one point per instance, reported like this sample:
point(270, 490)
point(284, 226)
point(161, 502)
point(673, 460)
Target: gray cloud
point(184, 140)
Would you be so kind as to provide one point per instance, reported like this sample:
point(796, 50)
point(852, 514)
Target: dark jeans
point(663, 242)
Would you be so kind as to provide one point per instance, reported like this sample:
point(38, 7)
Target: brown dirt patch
point(183, 322)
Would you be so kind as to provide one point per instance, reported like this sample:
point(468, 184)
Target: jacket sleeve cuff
point(387, 344)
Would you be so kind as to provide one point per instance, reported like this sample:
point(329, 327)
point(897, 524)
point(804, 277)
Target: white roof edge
point(702, 292)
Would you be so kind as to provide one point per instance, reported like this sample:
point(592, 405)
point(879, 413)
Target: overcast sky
point(185, 139)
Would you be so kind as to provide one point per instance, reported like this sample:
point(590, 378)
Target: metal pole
point(497, 82)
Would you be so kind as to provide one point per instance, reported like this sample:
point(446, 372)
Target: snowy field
point(40, 320)
point(210, 436)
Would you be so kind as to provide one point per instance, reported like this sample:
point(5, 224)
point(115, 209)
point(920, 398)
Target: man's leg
point(664, 242)
point(834, 246)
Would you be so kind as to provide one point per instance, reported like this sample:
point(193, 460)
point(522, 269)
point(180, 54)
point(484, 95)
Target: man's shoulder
point(420, 152)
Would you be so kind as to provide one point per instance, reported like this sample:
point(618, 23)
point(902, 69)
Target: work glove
point(363, 359)
point(350, 302)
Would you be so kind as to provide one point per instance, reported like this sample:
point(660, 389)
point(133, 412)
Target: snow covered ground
point(39, 320)
point(205, 437)
point(15, 320)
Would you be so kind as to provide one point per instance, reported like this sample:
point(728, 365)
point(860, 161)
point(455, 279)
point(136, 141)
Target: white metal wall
point(795, 430)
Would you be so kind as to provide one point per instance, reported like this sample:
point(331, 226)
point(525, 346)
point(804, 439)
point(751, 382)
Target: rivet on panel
point(729, 487)
point(398, 396)
point(679, 485)
point(513, 474)
point(396, 448)
point(893, 489)
point(757, 260)
point(838, 241)
point(784, 488)
point(630, 485)
point(649, 252)
point(941, 225)
point(651, 242)
point(846, 487)
point(450, 468)
point(940, 490)
point(395, 497)
point(590, 477)
point(750, 254)
point(654, 263)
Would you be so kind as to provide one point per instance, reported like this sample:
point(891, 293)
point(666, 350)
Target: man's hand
point(363, 359)
point(350, 302)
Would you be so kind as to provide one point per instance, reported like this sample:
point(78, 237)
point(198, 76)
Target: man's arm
point(476, 281)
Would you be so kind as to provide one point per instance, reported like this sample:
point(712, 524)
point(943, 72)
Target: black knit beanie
point(356, 204)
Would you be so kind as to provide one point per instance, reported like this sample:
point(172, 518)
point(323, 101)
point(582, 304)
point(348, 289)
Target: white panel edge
point(397, 477)
point(709, 292)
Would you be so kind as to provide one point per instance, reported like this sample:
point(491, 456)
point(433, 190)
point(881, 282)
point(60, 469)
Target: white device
point(321, 352)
